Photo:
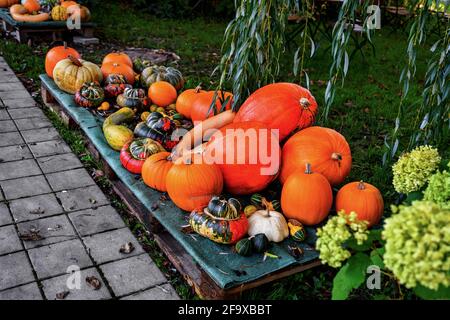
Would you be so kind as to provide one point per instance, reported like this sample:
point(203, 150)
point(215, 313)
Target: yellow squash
point(115, 133)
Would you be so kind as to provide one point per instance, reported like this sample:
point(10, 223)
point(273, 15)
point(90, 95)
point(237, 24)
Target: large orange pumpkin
point(325, 149)
point(282, 106)
point(32, 5)
point(118, 57)
point(185, 101)
point(248, 155)
point(200, 109)
point(307, 197)
point(155, 169)
point(362, 198)
point(162, 93)
point(191, 185)
point(56, 54)
point(118, 68)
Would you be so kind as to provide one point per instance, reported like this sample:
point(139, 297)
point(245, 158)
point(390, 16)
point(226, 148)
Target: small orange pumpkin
point(325, 149)
point(32, 5)
point(56, 54)
point(118, 68)
point(200, 109)
point(185, 101)
point(191, 185)
point(362, 198)
point(155, 169)
point(162, 93)
point(118, 57)
point(306, 197)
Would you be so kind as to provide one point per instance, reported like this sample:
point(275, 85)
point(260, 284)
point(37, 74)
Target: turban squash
point(134, 154)
point(282, 106)
point(159, 128)
point(89, 95)
point(325, 149)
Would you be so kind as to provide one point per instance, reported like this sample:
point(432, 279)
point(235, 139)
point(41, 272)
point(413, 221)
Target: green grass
point(364, 108)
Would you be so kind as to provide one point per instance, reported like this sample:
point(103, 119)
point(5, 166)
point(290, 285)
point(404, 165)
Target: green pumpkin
point(142, 148)
point(244, 247)
point(140, 64)
point(258, 200)
point(260, 242)
point(221, 208)
point(296, 230)
point(90, 95)
point(132, 98)
point(160, 73)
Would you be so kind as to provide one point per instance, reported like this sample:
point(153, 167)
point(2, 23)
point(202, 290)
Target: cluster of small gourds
point(43, 10)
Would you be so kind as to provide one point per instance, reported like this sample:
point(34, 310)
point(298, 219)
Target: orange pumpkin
point(118, 68)
point(56, 54)
point(247, 154)
point(32, 5)
point(306, 197)
point(201, 105)
point(67, 4)
point(118, 57)
point(162, 93)
point(185, 101)
point(325, 149)
point(191, 185)
point(8, 3)
point(282, 106)
point(362, 198)
point(155, 169)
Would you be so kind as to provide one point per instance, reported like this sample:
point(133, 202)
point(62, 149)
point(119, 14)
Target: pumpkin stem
point(198, 88)
point(308, 168)
point(304, 103)
point(75, 61)
point(267, 204)
point(361, 185)
point(336, 156)
point(65, 45)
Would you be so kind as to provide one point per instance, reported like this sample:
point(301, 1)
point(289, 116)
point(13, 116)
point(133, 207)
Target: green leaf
point(413, 196)
point(351, 276)
point(425, 293)
point(376, 256)
point(374, 235)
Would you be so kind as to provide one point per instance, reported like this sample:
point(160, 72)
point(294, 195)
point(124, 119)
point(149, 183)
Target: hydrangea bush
point(438, 189)
point(412, 170)
point(418, 244)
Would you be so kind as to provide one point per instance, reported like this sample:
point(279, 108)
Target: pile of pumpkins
point(311, 159)
point(44, 10)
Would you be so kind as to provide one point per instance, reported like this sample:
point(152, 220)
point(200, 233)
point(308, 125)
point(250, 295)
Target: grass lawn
point(364, 109)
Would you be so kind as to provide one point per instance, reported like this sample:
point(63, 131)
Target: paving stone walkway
point(45, 192)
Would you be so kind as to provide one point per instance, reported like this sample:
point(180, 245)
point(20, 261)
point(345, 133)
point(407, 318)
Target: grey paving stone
point(10, 139)
point(32, 208)
point(52, 229)
point(22, 113)
point(55, 259)
point(26, 292)
point(7, 126)
point(4, 114)
point(5, 216)
point(48, 148)
point(59, 162)
point(133, 274)
point(82, 198)
point(19, 169)
point(12, 153)
point(38, 135)
point(10, 78)
point(32, 123)
point(16, 270)
point(56, 285)
point(25, 187)
point(9, 240)
point(17, 99)
point(8, 87)
point(71, 179)
point(163, 292)
point(104, 247)
point(96, 220)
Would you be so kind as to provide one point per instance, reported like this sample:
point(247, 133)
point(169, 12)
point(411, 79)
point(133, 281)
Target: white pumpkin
point(271, 223)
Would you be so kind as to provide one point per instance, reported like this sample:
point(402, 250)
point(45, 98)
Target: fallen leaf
point(97, 174)
point(32, 235)
point(295, 251)
point(62, 295)
point(187, 229)
point(93, 282)
point(127, 248)
point(38, 210)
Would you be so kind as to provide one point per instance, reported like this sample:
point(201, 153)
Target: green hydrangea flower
point(332, 236)
point(438, 189)
point(418, 244)
point(413, 169)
